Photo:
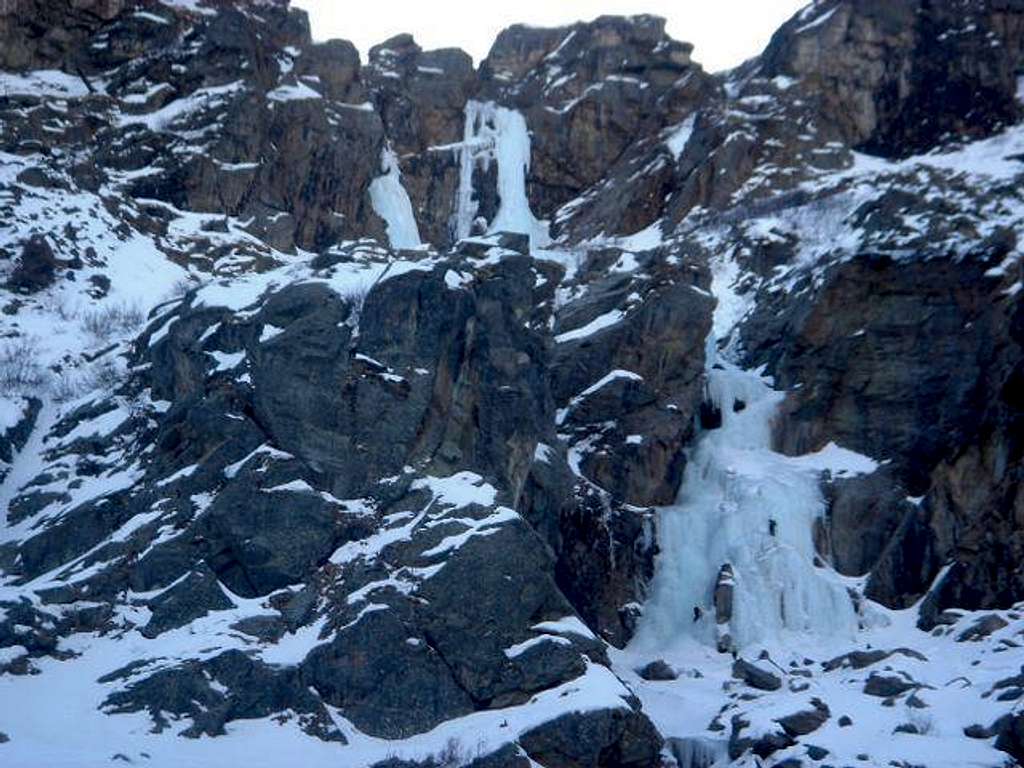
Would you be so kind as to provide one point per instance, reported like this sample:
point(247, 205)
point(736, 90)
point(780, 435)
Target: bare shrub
point(20, 370)
point(72, 383)
point(451, 755)
point(60, 305)
point(106, 375)
point(182, 286)
point(105, 322)
point(921, 721)
point(66, 387)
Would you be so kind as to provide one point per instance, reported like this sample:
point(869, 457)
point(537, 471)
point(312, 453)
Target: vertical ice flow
point(498, 134)
point(391, 202)
point(745, 505)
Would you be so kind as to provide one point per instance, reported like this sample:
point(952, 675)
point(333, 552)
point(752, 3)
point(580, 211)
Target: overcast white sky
point(725, 32)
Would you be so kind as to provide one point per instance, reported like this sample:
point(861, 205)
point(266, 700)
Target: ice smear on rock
point(498, 134)
point(391, 202)
point(680, 137)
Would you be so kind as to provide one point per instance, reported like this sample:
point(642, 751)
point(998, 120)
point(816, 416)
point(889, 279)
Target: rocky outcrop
point(896, 78)
point(263, 473)
point(929, 361)
point(615, 739)
point(589, 92)
point(629, 365)
point(421, 97)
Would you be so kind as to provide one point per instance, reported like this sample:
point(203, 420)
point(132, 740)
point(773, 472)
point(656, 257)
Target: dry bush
point(105, 322)
point(20, 370)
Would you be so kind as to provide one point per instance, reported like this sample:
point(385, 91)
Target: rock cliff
point(349, 409)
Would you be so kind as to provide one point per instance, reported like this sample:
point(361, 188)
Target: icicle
point(391, 202)
point(493, 133)
point(466, 205)
point(698, 752)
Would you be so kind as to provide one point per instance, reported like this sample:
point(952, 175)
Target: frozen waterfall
point(497, 134)
point(391, 202)
point(744, 506)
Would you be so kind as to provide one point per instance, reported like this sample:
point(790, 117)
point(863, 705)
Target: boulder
point(617, 738)
point(806, 721)
point(763, 745)
point(862, 659)
point(1010, 738)
point(658, 670)
point(887, 686)
point(37, 267)
point(755, 676)
point(983, 627)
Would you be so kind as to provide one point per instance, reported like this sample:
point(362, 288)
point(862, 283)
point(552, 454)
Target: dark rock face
point(644, 374)
point(894, 77)
point(605, 551)
point(589, 91)
point(269, 462)
point(914, 414)
point(385, 685)
point(864, 514)
point(261, 141)
point(421, 97)
point(940, 416)
point(626, 392)
point(473, 349)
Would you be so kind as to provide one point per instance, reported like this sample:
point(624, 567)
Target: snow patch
point(297, 92)
point(680, 137)
point(519, 649)
point(822, 19)
point(459, 490)
point(599, 323)
point(43, 83)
